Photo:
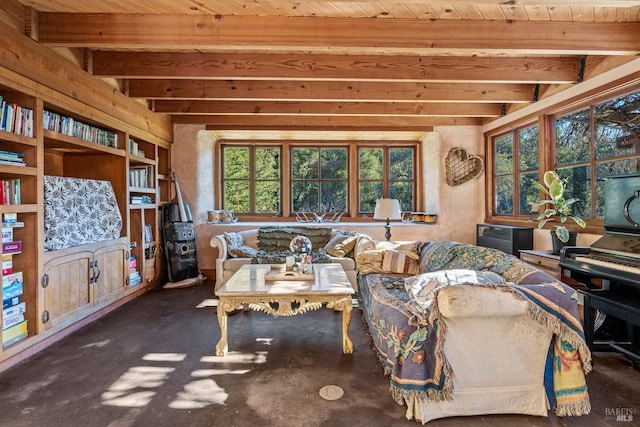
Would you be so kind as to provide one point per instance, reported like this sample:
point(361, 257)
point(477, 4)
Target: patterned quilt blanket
point(413, 356)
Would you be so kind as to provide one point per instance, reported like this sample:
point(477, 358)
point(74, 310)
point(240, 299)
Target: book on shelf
point(148, 233)
point(12, 247)
point(15, 118)
point(17, 162)
point(12, 285)
point(77, 129)
point(10, 191)
point(14, 334)
point(19, 308)
point(10, 302)
point(10, 219)
point(141, 200)
point(141, 176)
point(9, 321)
point(7, 264)
point(7, 234)
point(11, 156)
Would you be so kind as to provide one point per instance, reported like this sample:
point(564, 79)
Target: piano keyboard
point(616, 264)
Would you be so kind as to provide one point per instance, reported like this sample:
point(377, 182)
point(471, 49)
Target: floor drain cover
point(331, 392)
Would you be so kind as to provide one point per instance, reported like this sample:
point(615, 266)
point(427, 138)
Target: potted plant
point(557, 208)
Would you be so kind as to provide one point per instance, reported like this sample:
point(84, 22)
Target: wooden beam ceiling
point(344, 35)
point(175, 65)
point(334, 65)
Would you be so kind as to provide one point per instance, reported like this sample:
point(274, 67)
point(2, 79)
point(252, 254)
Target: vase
point(557, 244)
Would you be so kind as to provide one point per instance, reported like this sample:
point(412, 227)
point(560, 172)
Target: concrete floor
point(151, 363)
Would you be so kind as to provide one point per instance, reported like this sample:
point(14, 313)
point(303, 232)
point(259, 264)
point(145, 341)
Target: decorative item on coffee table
point(301, 247)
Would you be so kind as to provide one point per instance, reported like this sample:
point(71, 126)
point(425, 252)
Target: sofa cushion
point(348, 264)
point(243, 251)
point(441, 255)
point(278, 238)
point(236, 246)
point(423, 287)
point(370, 261)
point(341, 244)
point(399, 262)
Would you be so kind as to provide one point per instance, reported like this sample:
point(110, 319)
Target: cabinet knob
point(44, 281)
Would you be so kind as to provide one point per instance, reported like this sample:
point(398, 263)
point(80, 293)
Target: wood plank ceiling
point(374, 68)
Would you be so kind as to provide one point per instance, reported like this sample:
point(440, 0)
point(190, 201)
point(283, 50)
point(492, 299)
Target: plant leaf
point(549, 177)
point(579, 221)
point(556, 188)
point(562, 233)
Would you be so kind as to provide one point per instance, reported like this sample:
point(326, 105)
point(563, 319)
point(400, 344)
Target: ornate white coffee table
point(248, 288)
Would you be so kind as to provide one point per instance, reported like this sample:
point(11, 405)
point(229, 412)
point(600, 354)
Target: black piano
point(609, 272)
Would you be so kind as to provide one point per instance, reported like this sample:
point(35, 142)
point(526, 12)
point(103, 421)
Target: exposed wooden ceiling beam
point(311, 34)
point(327, 108)
point(316, 122)
point(329, 91)
point(334, 67)
point(592, 3)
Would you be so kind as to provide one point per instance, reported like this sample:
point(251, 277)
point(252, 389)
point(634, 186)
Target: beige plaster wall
point(192, 161)
point(459, 208)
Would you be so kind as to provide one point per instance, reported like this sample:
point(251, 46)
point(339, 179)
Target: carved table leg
point(345, 305)
point(224, 306)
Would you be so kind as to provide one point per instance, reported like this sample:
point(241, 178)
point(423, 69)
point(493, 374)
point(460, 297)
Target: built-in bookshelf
point(19, 171)
point(143, 197)
point(44, 138)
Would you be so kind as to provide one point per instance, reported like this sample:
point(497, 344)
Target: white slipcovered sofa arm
point(220, 243)
point(478, 301)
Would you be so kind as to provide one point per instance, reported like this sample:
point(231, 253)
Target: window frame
point(286, 213)
point(252, 176)
point(386, 167)
point(547, 149)
point(319, 180)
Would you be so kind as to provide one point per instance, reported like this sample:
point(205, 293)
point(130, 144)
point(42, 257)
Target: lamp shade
point(387, 209)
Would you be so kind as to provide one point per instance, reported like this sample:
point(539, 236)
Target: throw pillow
point(340, 245)
point(233, 239)
point(399, 262)
point(236, 247)
point(370, 262)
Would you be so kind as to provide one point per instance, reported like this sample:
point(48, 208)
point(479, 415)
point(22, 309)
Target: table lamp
point(387, 209)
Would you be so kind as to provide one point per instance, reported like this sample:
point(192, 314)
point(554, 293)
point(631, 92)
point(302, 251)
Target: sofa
point(466, 330)
point(271, 245)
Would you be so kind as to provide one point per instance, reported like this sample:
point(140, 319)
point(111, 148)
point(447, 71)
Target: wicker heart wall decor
point(462, 167)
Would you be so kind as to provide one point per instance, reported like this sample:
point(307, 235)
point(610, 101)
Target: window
point(594, 143)
point(586, 145)
point(319, 178)
point(515, 171)
point(251, 179)
point(386, 171)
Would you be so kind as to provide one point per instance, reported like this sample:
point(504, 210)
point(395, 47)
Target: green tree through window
point(319, 178)
point(251, 179)
point(386, 171)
